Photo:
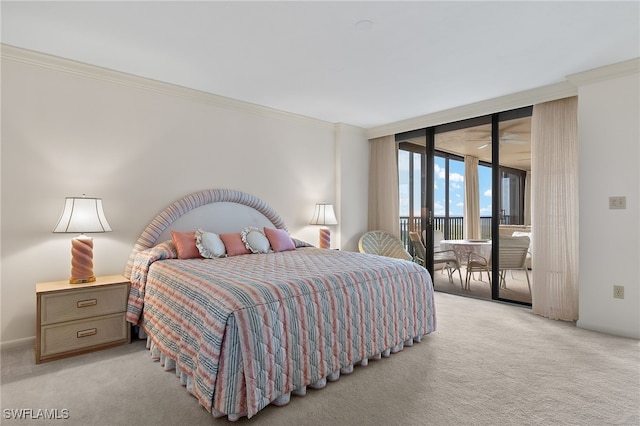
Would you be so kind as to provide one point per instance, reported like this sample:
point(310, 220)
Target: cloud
point(455, 177)
point(487, 193)
point(437, 169)
point(485, 211)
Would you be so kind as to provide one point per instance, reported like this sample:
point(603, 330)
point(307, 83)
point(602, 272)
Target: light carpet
point(487, 364)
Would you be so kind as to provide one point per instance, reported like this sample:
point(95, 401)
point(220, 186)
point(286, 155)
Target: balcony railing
point(456, 227)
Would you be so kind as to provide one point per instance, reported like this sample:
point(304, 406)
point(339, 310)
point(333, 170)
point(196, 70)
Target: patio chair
point(530, 251)
point(447, 258)
point(382, 244)
point(477, 263)
point(419, 250)
point(513, 256)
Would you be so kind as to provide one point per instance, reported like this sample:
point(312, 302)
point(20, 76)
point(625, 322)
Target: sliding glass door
point(465, 148)
point(514, 208)
point(462, 185)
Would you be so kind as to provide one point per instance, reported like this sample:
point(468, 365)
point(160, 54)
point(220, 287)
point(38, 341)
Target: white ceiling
point(361, 63)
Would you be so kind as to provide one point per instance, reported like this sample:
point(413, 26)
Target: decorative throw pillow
point(185, 243)
point(209, 244)
point(233, 244)
point(300, 243)
point(255, 240)
point(279, 239)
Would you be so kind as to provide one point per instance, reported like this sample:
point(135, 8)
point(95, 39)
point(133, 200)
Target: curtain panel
point(471, 198)
point(554, 152)
point(527, 199)
point(384, 203)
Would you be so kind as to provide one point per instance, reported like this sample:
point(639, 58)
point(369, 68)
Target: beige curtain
point(554, 152)
point(471, 198)
point(527, 199)
point(384, 208)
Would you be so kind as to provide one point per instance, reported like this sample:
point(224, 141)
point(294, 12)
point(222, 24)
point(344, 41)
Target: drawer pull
point(87, 303)
point(86, 333)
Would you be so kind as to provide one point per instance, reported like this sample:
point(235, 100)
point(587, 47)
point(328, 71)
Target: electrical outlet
point(618, 292)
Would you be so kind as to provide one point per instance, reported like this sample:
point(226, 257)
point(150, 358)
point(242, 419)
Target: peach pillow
point(279, 239)
point(234, 244)
point(185, 243)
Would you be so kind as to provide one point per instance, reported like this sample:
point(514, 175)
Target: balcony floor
point(516, 290)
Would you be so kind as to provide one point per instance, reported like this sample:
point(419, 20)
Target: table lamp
point(82, 215)
point(324, 215)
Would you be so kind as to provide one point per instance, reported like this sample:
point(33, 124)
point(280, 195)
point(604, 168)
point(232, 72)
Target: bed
point(243, 331)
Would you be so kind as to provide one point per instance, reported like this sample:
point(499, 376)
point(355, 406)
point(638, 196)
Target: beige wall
point(609, 144)
point(352, 174)
point(69, 129)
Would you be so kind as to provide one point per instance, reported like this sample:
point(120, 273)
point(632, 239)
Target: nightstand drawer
point(77, 335)
point(73, 305)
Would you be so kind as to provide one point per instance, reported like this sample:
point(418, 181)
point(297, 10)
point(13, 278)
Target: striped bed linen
point(248, 329)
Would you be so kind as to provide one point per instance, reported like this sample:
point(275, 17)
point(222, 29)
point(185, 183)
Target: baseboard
point(631, 334)
point(18, 343)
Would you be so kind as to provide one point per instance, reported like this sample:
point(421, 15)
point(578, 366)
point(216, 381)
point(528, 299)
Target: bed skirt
point(170, 364)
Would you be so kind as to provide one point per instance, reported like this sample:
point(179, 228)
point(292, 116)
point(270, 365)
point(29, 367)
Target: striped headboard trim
point(163, 220)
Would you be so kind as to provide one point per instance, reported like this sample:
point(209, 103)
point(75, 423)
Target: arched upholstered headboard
point(169, 215)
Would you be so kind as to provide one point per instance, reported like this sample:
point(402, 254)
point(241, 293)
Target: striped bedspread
point(247, 329)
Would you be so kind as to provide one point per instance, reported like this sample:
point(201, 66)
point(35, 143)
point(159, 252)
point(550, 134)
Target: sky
point(456, 183)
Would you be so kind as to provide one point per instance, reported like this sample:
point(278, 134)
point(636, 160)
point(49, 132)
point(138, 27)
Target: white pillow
point(255, 240)
point(209, 244)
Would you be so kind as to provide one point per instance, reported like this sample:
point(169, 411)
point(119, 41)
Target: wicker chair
point(382, 244)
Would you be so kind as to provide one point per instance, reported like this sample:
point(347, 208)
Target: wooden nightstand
point(79, 318)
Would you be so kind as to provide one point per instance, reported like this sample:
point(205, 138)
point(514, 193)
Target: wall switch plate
point(619, 202)
point(618, 292)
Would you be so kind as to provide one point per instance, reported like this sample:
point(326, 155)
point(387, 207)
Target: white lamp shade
point(82, 214)
point(324, 215)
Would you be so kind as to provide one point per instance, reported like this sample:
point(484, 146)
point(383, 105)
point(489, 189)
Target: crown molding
point(608, 72)
point(55, 63)
point(517, 100)
point(477, 109)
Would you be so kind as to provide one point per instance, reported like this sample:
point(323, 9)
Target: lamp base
point(82, 260)
point(325, 238)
